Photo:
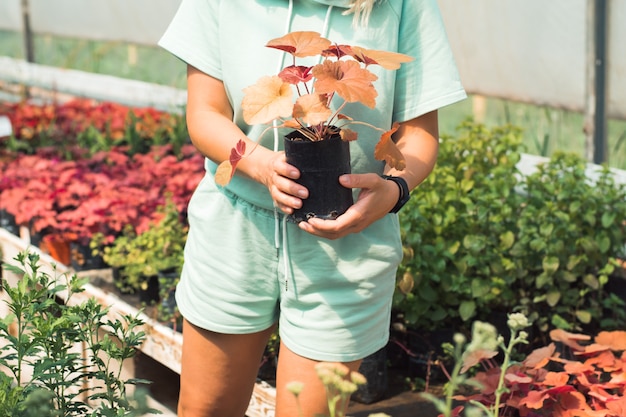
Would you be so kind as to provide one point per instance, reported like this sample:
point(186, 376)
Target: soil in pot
point(321, 164)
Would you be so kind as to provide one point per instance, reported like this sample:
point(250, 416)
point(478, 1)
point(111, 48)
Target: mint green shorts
point(331, 298)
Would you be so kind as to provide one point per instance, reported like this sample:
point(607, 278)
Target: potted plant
point(318, 145)
point(149, 260)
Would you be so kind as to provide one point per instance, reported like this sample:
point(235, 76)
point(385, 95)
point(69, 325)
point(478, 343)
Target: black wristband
point(405, 193)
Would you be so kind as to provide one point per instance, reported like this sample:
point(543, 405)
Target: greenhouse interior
point(520, 227)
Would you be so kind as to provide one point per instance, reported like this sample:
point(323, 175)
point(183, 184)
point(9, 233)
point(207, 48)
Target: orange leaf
point(577, 368)
point(300, 44)
point(600, 393)
point(534, 399)
point(224, 173)
point(592, 349)
point(312, 109)
point(555, 379)
point(615, 340)
point(386, 150)
point(348, 80)
point(387, 60)
point(488, 380)
point(617, 406)
point(514, 378)
point(226, 169)
point(540, 357)
point(291, 123)
point(268, 99)
point(474, 357)
point(573, 404)
point(568, 339)
point(348, 135)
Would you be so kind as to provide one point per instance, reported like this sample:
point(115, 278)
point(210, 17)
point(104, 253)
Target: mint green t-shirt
point(226, 40)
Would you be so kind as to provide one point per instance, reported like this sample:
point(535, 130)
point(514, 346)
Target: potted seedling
point(318, 144)
point(149, 260)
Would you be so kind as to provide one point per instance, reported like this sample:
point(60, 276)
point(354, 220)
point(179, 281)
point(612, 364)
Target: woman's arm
point(418, 139)
point(213, 133)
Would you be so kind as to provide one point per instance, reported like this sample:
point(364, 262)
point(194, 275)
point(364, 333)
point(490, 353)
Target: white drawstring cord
point(286, 266)
point(276, 137)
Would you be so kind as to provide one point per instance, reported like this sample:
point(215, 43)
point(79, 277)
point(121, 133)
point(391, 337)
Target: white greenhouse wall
point(534, 50)
point(137, 21)
point(531, 50)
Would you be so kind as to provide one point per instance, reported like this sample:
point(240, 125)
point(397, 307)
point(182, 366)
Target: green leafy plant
point(569, 234)
point(61, 358)
point(140, 256)
point(481, 239)
point(342, 72)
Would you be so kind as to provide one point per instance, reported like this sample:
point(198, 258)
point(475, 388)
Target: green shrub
point(60, 359)
point(481, 239)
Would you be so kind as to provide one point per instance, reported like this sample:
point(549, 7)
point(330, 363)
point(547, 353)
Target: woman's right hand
point(280, 181)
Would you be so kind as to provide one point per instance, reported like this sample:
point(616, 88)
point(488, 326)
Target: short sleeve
point(193, 35)
point(431, 81)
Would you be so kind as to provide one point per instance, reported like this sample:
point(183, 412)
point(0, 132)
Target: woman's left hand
point(418, 140)
point(376, 198)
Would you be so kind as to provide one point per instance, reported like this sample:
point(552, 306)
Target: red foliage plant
point(102, 194)
point(62, 123)
point(586, 379)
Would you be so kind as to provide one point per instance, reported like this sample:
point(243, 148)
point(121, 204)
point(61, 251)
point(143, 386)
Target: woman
point(326, 284)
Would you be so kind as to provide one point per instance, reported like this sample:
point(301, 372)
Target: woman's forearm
point(418, 140)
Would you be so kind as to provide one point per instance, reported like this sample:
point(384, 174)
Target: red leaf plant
point(74, 200)
point(64, 124)
point(586, 378)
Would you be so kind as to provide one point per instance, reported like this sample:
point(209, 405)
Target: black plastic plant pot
point(321, 164)
point(7, 222)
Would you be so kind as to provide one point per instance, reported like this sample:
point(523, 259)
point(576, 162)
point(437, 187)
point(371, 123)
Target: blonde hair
point(362, 10)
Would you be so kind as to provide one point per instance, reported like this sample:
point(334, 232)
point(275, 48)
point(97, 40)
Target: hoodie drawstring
point(277, 216)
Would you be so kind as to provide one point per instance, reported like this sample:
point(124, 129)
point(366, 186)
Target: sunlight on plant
point(60, 359)
point(483, 346)
point(579, 380)
point(343, 73)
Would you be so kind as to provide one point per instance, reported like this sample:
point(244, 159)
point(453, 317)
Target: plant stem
point(505, 365)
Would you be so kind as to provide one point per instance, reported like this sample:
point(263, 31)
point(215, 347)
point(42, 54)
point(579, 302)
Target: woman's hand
point(280, 179)
point(418, 140)
point(376, 198)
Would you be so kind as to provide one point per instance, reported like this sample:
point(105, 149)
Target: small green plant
point(157, 250)
point(60, 358)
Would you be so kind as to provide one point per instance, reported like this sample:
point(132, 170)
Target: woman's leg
point(312, 400)
point(218, 371)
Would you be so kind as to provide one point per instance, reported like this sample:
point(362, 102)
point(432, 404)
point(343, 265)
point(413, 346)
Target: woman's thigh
point(218, 371)
point(312, 400)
